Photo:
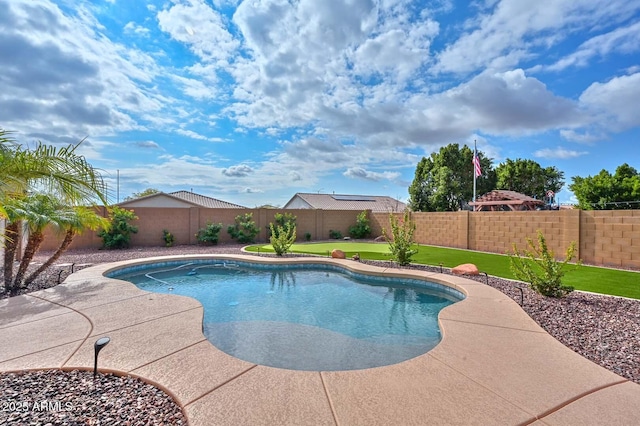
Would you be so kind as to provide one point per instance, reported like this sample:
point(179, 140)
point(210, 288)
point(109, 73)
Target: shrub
point(245, 229)
point(361, 229)
point(336, 235)
point(168, 237)
point(209, 234)
point(402, 238)
point(117, 235)
point(280, 220)
point(539, 267)
point(307, 236)
point(282, 238)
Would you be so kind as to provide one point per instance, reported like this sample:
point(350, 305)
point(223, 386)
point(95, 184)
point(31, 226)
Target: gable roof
point(375, 203)
point(180, 199)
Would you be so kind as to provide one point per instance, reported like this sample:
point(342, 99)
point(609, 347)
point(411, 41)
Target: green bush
point(307, 236)
point(282, 237)
point(361, 229)
point(245, 229)
point(539, 267)
point(336, 235)
point(168, 238)
point(280, 220)
point(209, 234)
point(402, 238)
point(117, 235)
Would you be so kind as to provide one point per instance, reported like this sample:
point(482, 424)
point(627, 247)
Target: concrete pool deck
point(495, 365)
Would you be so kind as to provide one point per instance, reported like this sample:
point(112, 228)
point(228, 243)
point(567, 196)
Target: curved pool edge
point(493, 362)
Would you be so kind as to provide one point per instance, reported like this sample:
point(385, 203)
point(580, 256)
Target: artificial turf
point(614, 282)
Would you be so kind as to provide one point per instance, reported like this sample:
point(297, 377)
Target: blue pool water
point(316, 318)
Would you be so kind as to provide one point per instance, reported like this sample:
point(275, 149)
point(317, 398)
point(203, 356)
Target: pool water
point(319, 319)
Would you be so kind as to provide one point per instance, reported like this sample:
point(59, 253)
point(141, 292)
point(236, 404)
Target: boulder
point(380, 239)
point(338, 254)
point(466, 269)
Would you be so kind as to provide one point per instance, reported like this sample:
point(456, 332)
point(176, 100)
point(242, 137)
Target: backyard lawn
point(586, 278)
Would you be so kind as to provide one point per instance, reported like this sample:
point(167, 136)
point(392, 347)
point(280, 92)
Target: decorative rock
point(380, 239)
point(466, 269)
point(338, 254)
point(356, 256)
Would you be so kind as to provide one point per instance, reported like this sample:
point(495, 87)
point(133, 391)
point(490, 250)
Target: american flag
point(476, 165)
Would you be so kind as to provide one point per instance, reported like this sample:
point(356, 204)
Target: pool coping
point(493, 365)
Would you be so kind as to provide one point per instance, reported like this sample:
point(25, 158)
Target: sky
point(252, 101)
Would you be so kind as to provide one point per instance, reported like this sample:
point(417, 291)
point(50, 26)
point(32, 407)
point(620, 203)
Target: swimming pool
point(304, 316)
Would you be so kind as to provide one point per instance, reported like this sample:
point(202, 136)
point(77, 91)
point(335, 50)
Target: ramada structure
point(499, 200)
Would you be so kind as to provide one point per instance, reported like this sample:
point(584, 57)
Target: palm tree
point(60, 171)
point(80, 220)
point(36, 212)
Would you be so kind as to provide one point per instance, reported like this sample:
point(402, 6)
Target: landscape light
point(97, 347)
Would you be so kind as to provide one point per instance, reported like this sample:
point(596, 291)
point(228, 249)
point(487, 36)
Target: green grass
point(586, 278)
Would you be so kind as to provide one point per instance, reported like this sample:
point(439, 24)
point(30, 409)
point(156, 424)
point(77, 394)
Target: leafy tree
point(529, 178)
point(607, 191)
point(117, 235)
point(361, 229)
point(146, 192)
point(244, 230)
point(444, 180)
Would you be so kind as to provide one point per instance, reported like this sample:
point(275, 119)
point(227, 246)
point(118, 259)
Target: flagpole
point(475, 153)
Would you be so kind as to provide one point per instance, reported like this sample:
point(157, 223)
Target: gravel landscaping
point(604, 329)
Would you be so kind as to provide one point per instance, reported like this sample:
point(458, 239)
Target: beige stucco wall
point(609, 238)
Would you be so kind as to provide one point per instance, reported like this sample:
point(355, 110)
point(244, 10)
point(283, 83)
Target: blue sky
point(252, 101)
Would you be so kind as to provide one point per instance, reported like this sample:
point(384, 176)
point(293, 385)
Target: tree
point(529, 178)
point(146, 192)
point(606, 191)
point(59, 171)
point(444, 180)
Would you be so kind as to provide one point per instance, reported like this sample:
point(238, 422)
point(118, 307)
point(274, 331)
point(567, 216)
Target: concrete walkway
point(494, 365)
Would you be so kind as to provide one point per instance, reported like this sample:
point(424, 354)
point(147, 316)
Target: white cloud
point(512, 30)
point(612, 102)
point(194, 135)
point(558, 153)
point(200, 27)
point(360, 173)
point(585, 137)
point(240, 170)
point(624, 40)
point(132, 27)
point(147, 145)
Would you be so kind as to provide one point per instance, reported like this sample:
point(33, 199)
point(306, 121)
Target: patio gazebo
point(501, 200)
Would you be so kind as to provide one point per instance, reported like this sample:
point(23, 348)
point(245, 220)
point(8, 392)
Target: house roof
point(188, 197)
point(374, 203)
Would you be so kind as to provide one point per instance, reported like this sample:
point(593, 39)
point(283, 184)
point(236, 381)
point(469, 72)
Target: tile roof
point(204, 201)
point(375, 203)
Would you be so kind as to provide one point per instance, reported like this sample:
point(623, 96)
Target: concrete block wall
point(607, 238)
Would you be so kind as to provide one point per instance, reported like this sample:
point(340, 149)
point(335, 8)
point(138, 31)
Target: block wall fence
point(604, 237)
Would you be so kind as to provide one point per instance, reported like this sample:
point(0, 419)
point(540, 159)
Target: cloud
point(132, 27)
point(624, 40)
point(558, 153)
point(147, 145)
point(199, 27)
point(193, 135)
point(585, 137)
point(512, 30)
point(360, 173)
point(252, 191)
point(240, 170)
point(611, 102)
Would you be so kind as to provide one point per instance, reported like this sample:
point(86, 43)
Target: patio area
point(495, 365)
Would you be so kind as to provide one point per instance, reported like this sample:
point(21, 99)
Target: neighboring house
point(179, 199)
point(501, 200)
point(375, 203)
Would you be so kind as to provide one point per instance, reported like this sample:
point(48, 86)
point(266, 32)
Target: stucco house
point(375, 203)
point(179, 199)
